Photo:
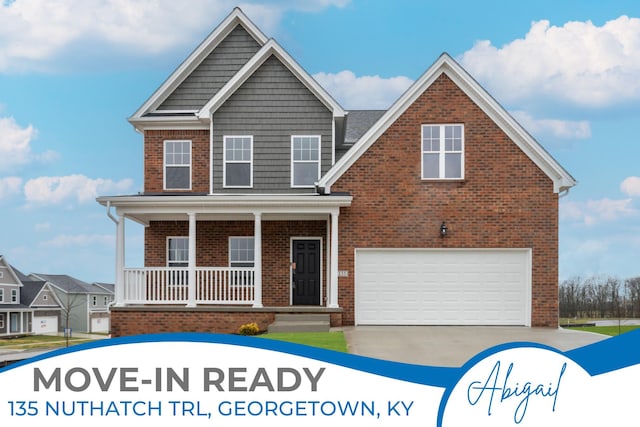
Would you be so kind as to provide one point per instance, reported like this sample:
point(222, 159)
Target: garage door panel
point(446, 287)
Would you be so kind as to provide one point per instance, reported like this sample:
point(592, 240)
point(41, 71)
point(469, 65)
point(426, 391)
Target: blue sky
point(72, 71)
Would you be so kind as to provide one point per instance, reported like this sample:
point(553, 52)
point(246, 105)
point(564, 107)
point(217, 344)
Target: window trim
point(1, 294)
point(442, 152)
point(94, 300)
point(165, 165)
point(14, 296)
point(293, 162)
point(254, 254)
point(1, 320)
point(225, 161)
point(168, 261)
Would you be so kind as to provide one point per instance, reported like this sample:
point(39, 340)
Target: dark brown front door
point(306, 275)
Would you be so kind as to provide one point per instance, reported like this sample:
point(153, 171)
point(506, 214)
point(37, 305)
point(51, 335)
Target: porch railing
point(170, 285)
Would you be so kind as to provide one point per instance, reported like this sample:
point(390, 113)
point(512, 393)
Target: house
point(47, 308)
point(84, 306)
point(262, 195)
point(15, 317)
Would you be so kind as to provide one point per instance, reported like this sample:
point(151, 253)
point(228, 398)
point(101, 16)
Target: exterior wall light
point(443, 229)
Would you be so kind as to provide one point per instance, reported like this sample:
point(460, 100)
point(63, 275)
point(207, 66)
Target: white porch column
point(191, 284)
point(119, 288)
point(333, 294)
point(257, 280)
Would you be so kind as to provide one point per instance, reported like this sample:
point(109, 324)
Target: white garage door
point(100, 324)
point(443, 287)
point(45, 325)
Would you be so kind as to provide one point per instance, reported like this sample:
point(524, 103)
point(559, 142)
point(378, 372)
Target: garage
point(443, 286)
point(100, 324)
point(45, 325)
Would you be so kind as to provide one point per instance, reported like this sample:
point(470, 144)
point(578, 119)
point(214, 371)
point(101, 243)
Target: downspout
point(563, 193)
point(109, 214)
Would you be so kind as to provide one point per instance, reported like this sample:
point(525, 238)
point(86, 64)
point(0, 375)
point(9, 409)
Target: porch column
point(191, 284)
point(119, 287)
point(333, 294)
point(257, 280)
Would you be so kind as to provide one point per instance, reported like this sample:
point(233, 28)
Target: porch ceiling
point(143, 208)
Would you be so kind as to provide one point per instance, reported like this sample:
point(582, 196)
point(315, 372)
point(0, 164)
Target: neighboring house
point(47, 308)
point(263, 195)
point(85, 307)
point(15, 317)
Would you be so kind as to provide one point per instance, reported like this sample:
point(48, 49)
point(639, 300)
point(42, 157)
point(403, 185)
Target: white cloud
point(365, 92)
point(593, 212)
point(15, 143)
point(58, 189)
point(36, 33)
point(76, 240)
point(43, 226)
point(579, 63)
point(631, 186)
point(565, 129)
point(9, 186)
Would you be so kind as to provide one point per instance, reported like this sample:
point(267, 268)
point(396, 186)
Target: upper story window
point(177, 251)
point(94, 300)
point(305, 160)
point(1, 295)
point(14, 295)
point(238, 161)
point(241, 252)
point(442, 151)
point(177, 165)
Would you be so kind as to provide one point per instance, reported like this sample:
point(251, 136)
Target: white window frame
point(1, 320)
point(442, 152)
point(1, 294)
point(106, 301)
point(45, 297)
point(94, 301)
point(171, 263)
point(225, 161)
point(165, 164)
point(293, 161)
point(14, 295)
point(1, 274)
point(231, 262)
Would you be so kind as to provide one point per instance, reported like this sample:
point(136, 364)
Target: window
point(94, 300)
point(106, 301)
point(177, 251)
point(1, 274)
point(305, 160)
point(45, 297)
point(1, 320)
point(14, 295)
point(1, 295)
point(177, 165)
point(238, 161)
point(241, 253)
point(442, 152)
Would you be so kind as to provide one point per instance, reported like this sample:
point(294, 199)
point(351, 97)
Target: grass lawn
point(607, 330)
point(38, 342)
point(327, 340)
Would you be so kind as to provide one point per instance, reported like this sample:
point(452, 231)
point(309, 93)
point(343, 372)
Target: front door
point(306, 272)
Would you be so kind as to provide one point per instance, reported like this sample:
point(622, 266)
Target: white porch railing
point(170, 285)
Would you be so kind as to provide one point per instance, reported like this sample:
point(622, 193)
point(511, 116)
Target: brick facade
point(154, 162)
point(505, 200)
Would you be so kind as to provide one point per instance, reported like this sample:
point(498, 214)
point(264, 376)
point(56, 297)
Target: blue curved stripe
point(609, 355)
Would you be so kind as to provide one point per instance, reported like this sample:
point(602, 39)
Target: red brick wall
point(153, 161)
point(212, 248)
point(504, 201)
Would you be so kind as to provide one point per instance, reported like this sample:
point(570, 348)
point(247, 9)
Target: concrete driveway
point(452, 345)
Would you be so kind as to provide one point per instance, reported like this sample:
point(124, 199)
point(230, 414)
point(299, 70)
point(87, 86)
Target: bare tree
point(69, 303)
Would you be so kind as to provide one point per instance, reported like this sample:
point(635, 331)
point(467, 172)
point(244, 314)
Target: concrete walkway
point(452, 345)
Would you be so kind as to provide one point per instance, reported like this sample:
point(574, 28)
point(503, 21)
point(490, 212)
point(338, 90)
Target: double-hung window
point(177, 165)
point(14, 295)
point(305, 160)
point(443, 151)
point(241, 252)
point(1, 295)
point(177, 252)
point(238, 161)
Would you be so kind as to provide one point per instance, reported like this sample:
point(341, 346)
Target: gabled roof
point(12, 272)
point(32, 289)
point(197, 56)
point(562, 180)
point(269, 49)
point(69, 284)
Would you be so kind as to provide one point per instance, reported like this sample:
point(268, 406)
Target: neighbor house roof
point(30, 291)
point(70, 284)
point(562, 180)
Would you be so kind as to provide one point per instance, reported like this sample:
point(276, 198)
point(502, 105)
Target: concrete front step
point(300, 323)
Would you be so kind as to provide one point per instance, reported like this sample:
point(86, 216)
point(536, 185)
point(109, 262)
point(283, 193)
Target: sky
point(73, 71)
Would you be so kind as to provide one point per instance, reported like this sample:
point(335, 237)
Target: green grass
point(607, 330)
point(327, 340)
point(38, 342)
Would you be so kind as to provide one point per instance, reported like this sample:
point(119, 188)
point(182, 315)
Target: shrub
point(249, 329)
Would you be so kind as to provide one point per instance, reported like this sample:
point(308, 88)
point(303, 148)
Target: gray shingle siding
point(214, 71)
point(272, 105)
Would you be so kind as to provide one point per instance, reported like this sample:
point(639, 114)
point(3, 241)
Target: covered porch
point(205, 275)
point(15, 319)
